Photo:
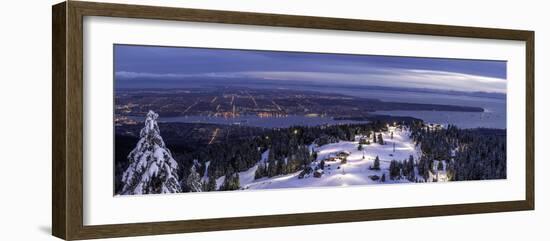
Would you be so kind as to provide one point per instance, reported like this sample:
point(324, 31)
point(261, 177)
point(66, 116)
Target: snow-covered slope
point(355, 172)
point(246, 176)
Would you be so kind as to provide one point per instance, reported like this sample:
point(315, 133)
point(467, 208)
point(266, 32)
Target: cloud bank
point(387, 77)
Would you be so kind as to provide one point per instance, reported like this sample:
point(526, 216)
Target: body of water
point(252, 120)
point(494, 115)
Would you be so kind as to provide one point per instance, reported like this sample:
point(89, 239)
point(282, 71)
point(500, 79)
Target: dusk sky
point(172, 66)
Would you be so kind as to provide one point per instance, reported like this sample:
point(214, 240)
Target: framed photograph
point(171, 120)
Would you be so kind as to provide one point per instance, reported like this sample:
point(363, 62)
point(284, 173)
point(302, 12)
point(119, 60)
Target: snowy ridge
point(356, 171)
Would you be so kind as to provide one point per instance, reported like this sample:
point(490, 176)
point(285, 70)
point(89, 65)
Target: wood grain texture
point(74, 121)
point(530, 120)
point(121, 230)
point(59, 192)
point(67, 150)
point(263, 19)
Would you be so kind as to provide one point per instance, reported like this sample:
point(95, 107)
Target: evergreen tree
point(211, 185)
point(395, 170)
point(409, 166)
point(271, 164)
point(376, 165)
point(440, 166)
point(281, 167)
point(193, 181)
point(314, 155)
point(451, 171)
point(383, 179)
point(152, 168)
point(380, 139)
point(231, 182)
point(322, 164)
point(260, 171)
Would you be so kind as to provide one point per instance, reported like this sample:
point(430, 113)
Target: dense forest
point(469, 154)
point(464, 154)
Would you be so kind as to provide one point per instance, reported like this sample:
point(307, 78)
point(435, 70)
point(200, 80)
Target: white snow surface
point(205, 175)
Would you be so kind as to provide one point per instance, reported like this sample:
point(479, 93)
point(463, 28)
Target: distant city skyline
point(172, 67)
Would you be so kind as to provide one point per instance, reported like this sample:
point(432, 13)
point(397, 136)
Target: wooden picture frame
point(67, 150)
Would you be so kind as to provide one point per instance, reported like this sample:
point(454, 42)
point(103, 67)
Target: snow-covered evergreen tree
point(211, 184)
point(193, 181)
point(152, 168)
point(231, 182)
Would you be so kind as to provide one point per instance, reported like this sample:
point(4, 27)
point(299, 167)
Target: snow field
point(356, 171)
